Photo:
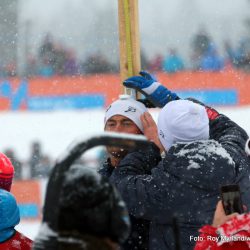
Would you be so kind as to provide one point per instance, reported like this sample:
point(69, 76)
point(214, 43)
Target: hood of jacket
point(197, 163)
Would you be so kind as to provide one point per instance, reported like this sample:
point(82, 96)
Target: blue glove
point(153, 90)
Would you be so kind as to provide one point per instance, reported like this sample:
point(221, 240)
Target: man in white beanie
point(123, 116)
point(186, 183)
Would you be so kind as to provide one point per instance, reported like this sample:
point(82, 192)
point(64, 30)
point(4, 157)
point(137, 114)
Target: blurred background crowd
point(39, 164)
point(55, 59)
point(65, 38)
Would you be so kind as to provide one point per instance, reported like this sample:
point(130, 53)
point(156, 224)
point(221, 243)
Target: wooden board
point(129, 41)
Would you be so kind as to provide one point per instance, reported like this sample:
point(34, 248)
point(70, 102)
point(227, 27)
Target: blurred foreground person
point(10, 239)
point(123, 116)
point(6, 172)
point(92, 215)
point(227, 232)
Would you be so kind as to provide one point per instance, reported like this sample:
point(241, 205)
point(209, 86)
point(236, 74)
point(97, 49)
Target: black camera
point(231, 199)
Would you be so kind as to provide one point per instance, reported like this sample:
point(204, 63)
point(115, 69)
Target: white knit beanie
point(182, 121)
point(127, 107)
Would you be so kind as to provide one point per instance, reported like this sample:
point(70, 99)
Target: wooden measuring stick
point(129, 41)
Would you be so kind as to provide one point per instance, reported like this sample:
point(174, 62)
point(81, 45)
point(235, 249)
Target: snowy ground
point(56, 130)
point(30, 229)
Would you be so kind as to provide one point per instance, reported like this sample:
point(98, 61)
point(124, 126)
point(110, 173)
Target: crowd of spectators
point(53, 59)
point(205, 57)
point(39, 165)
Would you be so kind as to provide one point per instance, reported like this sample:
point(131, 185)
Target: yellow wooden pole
point(130, 60)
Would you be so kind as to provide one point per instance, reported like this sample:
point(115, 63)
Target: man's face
point(120, 124)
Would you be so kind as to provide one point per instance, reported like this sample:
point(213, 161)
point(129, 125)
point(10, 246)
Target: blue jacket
point(9, 215)
point(172, 64)
point(185, 184)
point(211, 61)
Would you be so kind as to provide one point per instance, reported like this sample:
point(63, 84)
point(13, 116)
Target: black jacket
point(139, 236)
point(185, 184)
point(233, 138)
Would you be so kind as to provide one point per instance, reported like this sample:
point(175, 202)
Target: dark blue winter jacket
point(233, 138)
point(139, 235)
point(185, 184)
point(9, 215)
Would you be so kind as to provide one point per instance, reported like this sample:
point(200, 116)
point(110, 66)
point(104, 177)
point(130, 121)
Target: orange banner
point(29, 198)
point(16, 94)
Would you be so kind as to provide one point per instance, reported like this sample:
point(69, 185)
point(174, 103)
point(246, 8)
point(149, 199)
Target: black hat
point(89, 204)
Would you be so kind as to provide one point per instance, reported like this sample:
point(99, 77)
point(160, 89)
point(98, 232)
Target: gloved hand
point(153, 90)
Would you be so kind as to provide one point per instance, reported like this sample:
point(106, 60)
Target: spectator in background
point(11, 239)
point(55, 59)
point(47, 47)
point(59, 58)
point(156, 63)
point(46, 69)
point(240, 57)
point(11, 69)
point(97, 63)
point(211, 61)
point(201, 41)
point(31, 69)
point(6, 172)
point(173, 62)
point(199, 46)
point(70, 65)
point(46, 56)
point(40, 165)
point(16, 163)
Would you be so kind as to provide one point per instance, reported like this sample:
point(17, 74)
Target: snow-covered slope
point(56, 130)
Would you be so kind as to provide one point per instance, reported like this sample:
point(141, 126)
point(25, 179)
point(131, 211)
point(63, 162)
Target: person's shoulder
point(16, 242)
point(200, 150)
point(24, 242)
